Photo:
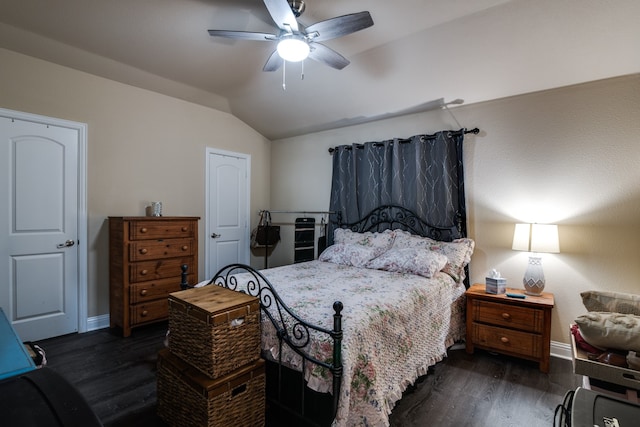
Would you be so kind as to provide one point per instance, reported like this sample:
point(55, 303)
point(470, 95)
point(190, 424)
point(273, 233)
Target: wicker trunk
point(189, 398)
point(214, 329)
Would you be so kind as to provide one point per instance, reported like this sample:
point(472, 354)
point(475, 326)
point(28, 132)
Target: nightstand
point(512, 326)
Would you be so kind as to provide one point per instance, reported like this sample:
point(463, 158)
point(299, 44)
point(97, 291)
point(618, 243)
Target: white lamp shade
point(521, 237)
point(293, 49)
point(544, 238)
point(536, 238)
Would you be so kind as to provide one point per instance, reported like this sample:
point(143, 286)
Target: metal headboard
point(391, 217)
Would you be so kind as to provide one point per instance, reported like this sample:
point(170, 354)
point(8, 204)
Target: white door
point(39, 189)
point(227, 212)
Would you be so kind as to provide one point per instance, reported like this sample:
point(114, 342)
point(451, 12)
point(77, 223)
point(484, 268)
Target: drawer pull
point(185, 247)
point(185, 229)
point(504, 340)
point(506, 316)
point(144, 313)
point(143, 230)
point(144, 272)
point(143, 292)
point(143, 251)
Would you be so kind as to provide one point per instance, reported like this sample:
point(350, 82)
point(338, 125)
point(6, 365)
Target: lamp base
point(533, 280)
point(534, 289)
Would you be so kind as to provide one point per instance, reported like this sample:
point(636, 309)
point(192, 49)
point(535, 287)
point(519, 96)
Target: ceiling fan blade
point(282, 14)
point(339, 26)
point(273, 63)
point(322, 53)
point(243, 35)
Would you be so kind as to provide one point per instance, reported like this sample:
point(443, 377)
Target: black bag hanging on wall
point(265, 234)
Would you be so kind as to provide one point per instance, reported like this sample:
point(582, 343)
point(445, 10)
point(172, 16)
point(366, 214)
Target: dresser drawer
point(149, 311)
point(155, 289)
point(507, 340)
point(163, 268)
point(155, 249)
point(158, 229)
point(510, 316)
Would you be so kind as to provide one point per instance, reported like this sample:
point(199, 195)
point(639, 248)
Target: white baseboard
point(561, 350)
point(558, 349)
point(97, 322)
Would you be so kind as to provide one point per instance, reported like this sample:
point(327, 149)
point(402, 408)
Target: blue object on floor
point(14, 357)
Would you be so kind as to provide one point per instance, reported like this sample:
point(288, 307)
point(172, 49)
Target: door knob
point(215, 235)
point(66, 244)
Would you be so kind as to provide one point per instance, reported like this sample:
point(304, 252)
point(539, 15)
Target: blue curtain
point(423, 173)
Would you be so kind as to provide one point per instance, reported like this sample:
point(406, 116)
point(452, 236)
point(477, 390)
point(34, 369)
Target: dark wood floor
point(117, 376)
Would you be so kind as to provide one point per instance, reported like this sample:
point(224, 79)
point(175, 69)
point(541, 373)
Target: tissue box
point(495, 286)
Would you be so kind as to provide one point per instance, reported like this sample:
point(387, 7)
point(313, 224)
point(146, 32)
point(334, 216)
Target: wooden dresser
point(512, 326)
point(145, 256)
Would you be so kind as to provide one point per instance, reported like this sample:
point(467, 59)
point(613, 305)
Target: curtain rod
point(474, 131)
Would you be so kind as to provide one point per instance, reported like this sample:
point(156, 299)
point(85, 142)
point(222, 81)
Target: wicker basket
point(187, 397)
point(214, 329)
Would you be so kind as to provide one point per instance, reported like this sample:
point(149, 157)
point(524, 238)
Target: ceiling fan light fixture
point(293, 49)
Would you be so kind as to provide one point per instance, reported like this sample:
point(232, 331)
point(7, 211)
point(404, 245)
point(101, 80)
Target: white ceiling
point(417, 51)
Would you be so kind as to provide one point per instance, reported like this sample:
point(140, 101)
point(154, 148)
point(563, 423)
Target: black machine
point(304, 240)
point(588, 408)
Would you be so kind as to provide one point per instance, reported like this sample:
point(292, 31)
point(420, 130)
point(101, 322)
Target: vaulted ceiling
point(416, 51)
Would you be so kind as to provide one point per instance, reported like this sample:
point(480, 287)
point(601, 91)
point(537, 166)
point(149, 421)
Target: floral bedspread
point(395, 326)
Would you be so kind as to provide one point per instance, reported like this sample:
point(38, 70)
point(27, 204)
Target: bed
point(396, 285)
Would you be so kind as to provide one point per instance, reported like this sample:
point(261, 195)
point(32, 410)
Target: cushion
point(580, 342)
point(380, 242)
point(615, 302)
point(348, 254)
point(410, 260)
point(458, 252)
point(610, 330)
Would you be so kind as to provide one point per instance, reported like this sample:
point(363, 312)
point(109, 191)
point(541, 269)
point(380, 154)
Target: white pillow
point(348, 254)
point(458, 252)
point(410, 260)
point(380, 242)
point(610, 330)
point(615, 302)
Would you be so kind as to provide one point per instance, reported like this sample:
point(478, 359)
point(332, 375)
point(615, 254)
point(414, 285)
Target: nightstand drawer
point(510, 316)
point(507, 340)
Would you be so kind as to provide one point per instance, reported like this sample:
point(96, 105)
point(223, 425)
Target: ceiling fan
point(297, 42)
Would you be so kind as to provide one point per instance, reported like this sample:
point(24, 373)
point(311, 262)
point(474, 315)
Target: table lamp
point(535, 238)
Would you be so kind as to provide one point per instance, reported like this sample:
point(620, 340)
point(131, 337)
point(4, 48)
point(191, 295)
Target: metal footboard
point(295, 333)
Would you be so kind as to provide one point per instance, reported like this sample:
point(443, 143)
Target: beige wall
point(142, 146)
point(568, 156)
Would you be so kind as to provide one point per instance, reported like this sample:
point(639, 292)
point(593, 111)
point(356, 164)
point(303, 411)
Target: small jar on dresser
point(517, 326)
point(145, 259)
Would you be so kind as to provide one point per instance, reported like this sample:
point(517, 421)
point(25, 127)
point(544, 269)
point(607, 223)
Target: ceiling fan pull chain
point(302, 72)
point(284, 75)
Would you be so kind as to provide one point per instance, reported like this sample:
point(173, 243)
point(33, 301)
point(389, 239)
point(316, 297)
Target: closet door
point(227, 215)
point(39, 285)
